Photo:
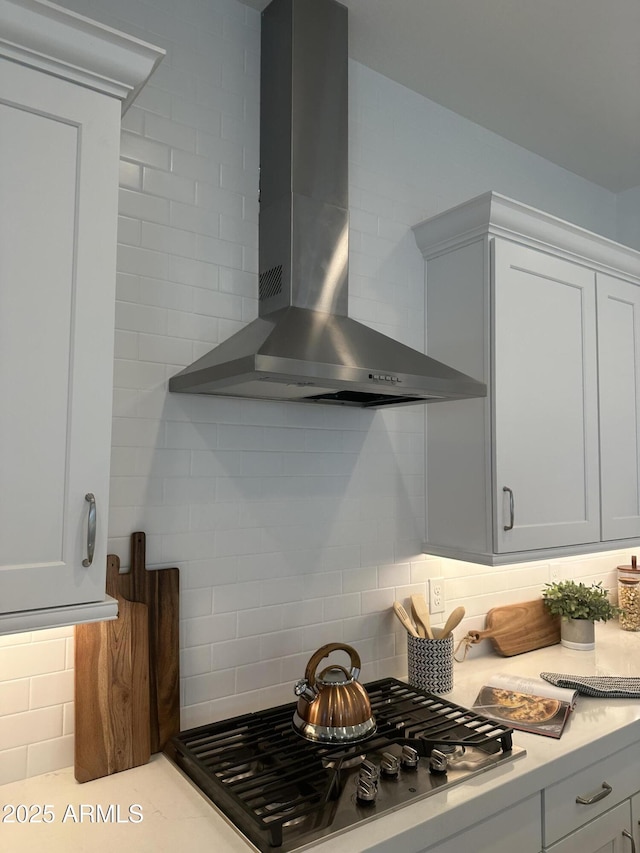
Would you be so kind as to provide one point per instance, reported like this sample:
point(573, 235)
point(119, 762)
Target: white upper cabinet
point(619, 375)
point(545, 313)
point(63, 83)
point(545, 430)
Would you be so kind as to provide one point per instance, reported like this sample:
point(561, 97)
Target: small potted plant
point(580, 607)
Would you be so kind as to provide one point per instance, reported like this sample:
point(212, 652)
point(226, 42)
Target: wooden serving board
point(159, 590)
point(517, 628)
point(112, 688)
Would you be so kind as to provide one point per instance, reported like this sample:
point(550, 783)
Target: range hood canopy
point(303, 346)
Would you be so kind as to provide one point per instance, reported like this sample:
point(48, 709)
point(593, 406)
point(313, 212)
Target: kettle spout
point(303, 690)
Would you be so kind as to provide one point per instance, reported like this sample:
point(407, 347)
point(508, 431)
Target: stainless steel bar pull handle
point(627, 834)
point(595, 798)
point(91, 529)
point(511, 508)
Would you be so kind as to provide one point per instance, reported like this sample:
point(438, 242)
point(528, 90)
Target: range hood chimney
point(303, 347)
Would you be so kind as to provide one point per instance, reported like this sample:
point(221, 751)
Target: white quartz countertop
point(155, 808)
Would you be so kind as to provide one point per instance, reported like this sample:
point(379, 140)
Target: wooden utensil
point(112, 688)
point(455, 618)
point(421, 614)
point(159, 590)
point(403, 616)
point(517, 628)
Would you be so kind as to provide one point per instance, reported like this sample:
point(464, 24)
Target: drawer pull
point(595, 798)
point(627, 834)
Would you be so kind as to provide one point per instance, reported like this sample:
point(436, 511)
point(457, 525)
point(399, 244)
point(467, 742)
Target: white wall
point(628, 229)
point(292, 525)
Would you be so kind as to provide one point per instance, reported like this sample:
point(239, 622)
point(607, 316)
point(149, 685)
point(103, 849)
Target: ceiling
point(559, 77)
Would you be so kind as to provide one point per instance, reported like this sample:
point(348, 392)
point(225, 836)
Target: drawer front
point(604, 833)
point(607, 782)
point(515, 829)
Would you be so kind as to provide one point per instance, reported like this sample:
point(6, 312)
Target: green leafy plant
point(573, 600)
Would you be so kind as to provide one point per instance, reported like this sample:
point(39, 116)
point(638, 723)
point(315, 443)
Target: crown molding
point(57, 41)
point(496, 215)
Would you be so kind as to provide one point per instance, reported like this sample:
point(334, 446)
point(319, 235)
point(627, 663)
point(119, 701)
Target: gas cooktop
point(286, 793)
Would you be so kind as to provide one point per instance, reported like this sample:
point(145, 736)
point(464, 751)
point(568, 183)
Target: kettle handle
point(325, 651)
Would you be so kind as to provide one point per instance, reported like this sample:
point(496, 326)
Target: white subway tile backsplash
point(168, 132)
point(30, 727)
point(54, 688)
point(130, 176)
point(144, 151)
point(13, 766)
point(263, 620)
point(24, 660)
point(141, 261)
point(236, 597)
point(168, 186)
point(209, 629)
point(195, 273)
point(14, 696)
point(49, 755)
point(193, 327)
point(223, 252)
point(211, 685)
point(280, 644)
point(135, 374)
point(189, 217)
point(145, 207)
point(171, 240)
point(376, 600)
point(394, 575)
point(256, 675)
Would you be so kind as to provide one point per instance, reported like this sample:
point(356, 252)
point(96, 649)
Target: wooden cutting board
point(112, 688)
point(517, 628)
point(159, 590)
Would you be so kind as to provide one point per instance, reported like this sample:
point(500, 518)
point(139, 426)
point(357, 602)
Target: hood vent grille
point(303, 346)
point(270, 283)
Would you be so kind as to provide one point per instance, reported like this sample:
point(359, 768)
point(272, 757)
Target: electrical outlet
point(436, 595)
point(554, 573)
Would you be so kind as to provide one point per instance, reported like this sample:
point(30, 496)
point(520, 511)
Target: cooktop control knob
point(390, 765)
point(366, 791)
point(409, 758)
point(369, 771)
point(438, 761)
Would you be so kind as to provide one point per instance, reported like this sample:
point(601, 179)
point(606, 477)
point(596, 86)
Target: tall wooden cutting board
point(517, 628)
point(112, 688)
point(159, 590)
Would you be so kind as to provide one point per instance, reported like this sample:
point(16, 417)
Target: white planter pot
point(578, 634)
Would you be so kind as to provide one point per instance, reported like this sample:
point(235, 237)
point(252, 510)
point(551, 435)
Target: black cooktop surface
point(284, 792)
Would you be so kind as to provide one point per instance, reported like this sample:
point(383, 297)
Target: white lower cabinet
point(609, 833)
point(514, 830)
point(590, 811)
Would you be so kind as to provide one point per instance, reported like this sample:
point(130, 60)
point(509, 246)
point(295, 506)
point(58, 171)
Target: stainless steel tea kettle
point(333, 707)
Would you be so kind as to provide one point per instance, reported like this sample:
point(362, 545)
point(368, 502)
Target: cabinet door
point(545, 401)
point(619, 388)
point(609, 833)
point(514, 829)
point(58, 182)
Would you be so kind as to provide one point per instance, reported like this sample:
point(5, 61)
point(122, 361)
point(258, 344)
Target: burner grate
point(425, 719)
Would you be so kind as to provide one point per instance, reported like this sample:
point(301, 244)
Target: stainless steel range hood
point(303, 346)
